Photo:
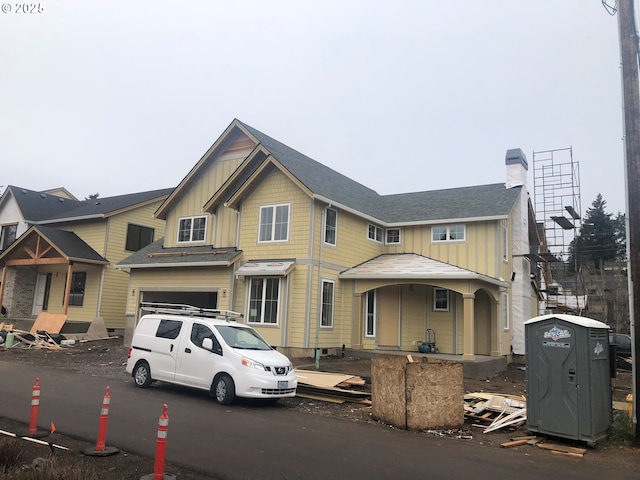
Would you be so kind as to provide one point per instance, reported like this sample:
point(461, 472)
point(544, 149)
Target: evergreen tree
point(601, 238)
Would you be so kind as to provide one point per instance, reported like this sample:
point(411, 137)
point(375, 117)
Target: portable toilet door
point(568, 383)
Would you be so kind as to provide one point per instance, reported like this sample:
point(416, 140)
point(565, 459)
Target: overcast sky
point(122, 96)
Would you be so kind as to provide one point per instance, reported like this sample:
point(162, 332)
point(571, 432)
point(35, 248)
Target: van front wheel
point(224, 390)
point(142, 375)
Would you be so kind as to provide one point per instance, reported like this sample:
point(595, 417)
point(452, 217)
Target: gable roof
point(67, 245)
point(332, 187)
point(42, 208)
point(482, 201)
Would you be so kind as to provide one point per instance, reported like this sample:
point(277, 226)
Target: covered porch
point(405, 299)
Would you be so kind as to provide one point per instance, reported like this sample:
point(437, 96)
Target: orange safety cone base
point(107, 452)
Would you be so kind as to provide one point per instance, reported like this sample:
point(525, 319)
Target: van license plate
point(283, 383)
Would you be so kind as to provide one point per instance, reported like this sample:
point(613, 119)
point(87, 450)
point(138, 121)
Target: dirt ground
point(106, 358)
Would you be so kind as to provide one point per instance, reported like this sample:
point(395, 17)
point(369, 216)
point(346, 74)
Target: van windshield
point(242, 337)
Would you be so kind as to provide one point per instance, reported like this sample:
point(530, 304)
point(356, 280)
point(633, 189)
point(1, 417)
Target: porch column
point(496, 331)
point(469, 327)
point(358, 320)
point(67, 289)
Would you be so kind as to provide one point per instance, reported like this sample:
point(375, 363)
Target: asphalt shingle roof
point(156, 255)
point(72, 246)
point(39, 207)
point(465, 202)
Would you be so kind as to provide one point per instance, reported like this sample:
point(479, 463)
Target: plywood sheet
point(321, 379)
point(49, 322)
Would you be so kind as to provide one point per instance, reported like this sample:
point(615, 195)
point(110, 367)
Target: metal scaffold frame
point(556, 180)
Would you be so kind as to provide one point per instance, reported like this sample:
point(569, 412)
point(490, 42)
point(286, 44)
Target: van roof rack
point(189, 310)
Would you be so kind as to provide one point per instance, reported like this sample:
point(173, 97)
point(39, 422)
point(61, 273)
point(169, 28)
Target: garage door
point(196, 299)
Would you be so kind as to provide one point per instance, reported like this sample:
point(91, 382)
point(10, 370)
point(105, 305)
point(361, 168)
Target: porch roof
point(411, 266)
point(155, 255)
point(28, 250)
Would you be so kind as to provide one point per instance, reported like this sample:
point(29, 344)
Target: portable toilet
point(568, 382)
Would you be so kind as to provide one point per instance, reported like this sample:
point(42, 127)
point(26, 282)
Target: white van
point(207, 349)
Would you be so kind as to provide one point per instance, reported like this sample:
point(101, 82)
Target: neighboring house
point(318, 262)
point(58, 253)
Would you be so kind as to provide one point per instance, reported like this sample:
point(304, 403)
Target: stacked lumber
point(6, 326)
point(331, 387)
point(493, 411)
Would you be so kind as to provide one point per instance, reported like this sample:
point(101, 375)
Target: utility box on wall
point(568, 379)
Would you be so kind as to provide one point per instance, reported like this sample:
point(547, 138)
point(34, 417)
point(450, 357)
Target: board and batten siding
point(201, 189)
point(480, 252)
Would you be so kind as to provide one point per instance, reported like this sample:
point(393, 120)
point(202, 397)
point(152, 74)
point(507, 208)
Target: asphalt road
point(252, 440)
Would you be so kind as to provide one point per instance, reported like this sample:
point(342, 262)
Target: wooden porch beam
point(37, 261)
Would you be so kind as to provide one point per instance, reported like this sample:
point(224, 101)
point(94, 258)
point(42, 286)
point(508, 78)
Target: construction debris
point(493, 411)
point(554, 448)
point(331, 387)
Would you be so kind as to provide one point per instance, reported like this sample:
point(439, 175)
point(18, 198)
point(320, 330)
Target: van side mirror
point(207, 344)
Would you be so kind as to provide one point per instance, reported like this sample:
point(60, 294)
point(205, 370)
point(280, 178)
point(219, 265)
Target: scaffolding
point(556, 180)
point(556, 190)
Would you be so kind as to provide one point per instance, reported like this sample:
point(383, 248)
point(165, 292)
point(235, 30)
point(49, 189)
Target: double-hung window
point(448, 233)
point(327, 304)
point(264, 295)
point(192, 229)
point(8, 235)
point(375, 233)
point(393, 235)
point(274, 223)
point(440, 300)
point(330, 226)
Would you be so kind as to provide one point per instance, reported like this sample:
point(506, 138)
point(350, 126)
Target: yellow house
point(317, 262)
point(60, 254)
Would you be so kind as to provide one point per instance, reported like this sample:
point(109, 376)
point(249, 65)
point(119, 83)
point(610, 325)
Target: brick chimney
point(517, 168)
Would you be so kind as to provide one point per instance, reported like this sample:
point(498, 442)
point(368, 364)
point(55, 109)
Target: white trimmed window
point(330, 226)
point(440, 300)
point(327, 304)
point(192, 229)
point(274, 223)
point(448, 233)
point(8, 235)
point(370, 315)
point(504, 300)
point(375, 233)
point(264, 296)
point(393, 235)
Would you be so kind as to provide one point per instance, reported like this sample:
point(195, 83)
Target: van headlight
point(247, 362)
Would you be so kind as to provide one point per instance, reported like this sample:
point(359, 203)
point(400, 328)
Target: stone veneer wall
point(19, 291)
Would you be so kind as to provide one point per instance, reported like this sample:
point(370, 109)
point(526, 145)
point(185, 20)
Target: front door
point(41, 297)
point(389, 316)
